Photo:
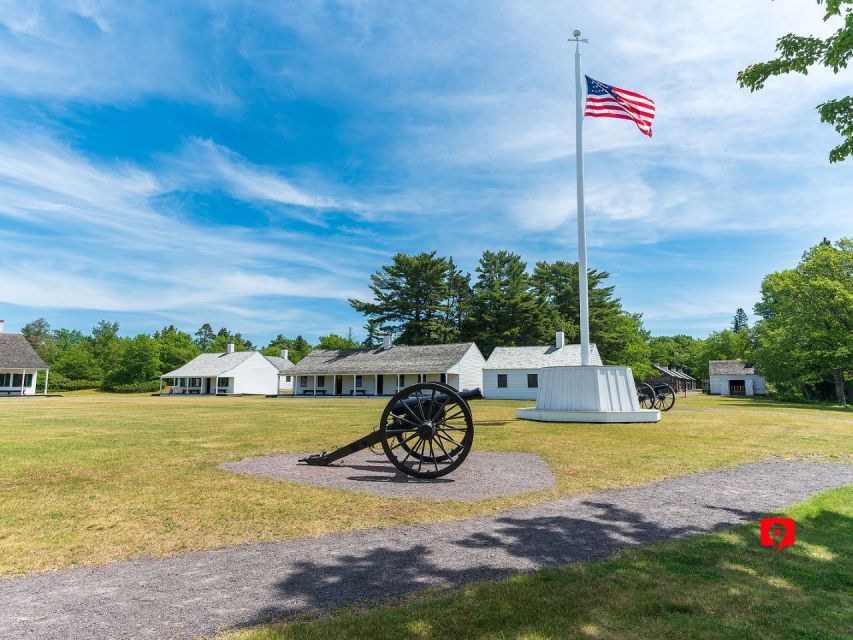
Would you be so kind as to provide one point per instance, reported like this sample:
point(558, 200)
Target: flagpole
point(583, 286)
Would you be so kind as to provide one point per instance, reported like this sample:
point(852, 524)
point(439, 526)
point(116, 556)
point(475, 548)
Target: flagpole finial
point(576, 36)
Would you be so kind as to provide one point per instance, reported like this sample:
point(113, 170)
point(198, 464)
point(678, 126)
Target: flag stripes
point(606, 101)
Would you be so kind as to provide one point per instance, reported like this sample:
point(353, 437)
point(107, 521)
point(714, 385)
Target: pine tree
point(504, 310)
point(410, 298)
point(740, 321)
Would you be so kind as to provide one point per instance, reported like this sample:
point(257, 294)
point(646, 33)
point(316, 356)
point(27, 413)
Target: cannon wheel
point(646, 396)
point(664, 397)
point(431, 437)
point(406, 443)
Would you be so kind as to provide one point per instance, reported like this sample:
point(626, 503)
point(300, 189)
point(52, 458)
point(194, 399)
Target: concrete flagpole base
point(587, 394)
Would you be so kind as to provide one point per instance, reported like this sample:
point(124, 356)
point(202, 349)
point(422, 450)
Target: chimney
point(561, 339)
point(229, 348)
point(284, 353)
point(2, 324)
point(386, 341)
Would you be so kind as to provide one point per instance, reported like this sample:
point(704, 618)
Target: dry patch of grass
point(96, 477)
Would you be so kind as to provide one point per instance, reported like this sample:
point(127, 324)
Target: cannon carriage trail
point(203, 592)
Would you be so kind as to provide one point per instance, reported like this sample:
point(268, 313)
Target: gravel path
point(484, 475)
point(202, 592)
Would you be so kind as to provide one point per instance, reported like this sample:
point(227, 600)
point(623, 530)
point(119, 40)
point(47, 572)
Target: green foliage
point(58, 382)
point(138, 361)
point(297, 347)
point(798, 54)
point(204, 337)
point(334, 341)
point(175, 348)
point(146, 386)
point(740, 321)
point(78, 362)
point(411, 297)
point(619, 335)
point(806, 327)
point(678, 351)
point(504, 309)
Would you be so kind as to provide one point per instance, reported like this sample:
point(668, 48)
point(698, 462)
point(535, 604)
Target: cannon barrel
point(441, 398)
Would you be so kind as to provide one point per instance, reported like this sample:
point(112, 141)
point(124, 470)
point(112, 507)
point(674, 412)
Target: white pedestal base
point(587, 394)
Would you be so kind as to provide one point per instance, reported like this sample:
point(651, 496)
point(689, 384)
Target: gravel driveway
point(202, 592)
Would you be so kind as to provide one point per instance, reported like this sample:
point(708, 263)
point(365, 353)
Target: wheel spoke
point(420, 406)
point(432, 455)
point(441, 446)
point(447, 437)
point(400, 443)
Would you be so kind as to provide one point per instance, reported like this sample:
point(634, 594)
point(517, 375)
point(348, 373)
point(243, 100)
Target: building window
point(501, 381)
point(358, 382)
point(28, 380)
point(287, 378)
point(195, 382)
point(17, 379)
point(321, 381)
point(443, 378)
point(303, 381)
point(532, 380)
point(5, 379)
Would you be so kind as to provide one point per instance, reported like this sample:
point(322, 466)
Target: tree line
point(427, 299)
point(802, 338)
point(105, 360)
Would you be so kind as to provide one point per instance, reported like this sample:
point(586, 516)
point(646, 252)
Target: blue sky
point(249, 164)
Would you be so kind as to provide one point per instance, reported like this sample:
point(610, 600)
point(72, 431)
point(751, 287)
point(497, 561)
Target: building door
point(749, 391)
point(737, 388)
point(380, 384)
point(207, 385)
point(339, 385)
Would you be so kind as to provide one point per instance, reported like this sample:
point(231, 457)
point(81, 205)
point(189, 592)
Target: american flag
point(606, 101)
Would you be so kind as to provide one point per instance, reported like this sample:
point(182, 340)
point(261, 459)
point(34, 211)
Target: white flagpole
point(582, 276)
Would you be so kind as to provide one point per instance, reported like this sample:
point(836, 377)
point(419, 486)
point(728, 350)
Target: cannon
point(426, 431)
point(659, 396)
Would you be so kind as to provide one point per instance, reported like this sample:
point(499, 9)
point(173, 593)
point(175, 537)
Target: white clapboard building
point(385, 370)
point(229, 373)
point(734, 378)
point(19, 365)
point(512, 373)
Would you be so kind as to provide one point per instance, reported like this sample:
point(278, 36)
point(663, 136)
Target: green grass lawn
point(720, 586)
point(91, 478)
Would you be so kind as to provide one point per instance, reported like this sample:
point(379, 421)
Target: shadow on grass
point(717, 586)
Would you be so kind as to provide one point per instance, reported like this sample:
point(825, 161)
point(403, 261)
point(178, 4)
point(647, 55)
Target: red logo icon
point(777, 532)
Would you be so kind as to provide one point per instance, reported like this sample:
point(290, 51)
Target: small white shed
point(284, 365)
point(229, 373)
point(734, 378)
point(512, 373)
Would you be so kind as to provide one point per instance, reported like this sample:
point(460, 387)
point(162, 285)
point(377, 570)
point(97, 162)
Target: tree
point(334, 341)
point(204, 336)
point(807, 322)
point(740, 321)
point(374, 337)
point(38, 334)
point(677, 351)
point(139, 361)
point(77, 362)
point(799, 53)
point(504, 309)
point(410, 298)
point(297, 347)
point(175, 348)
point(458, 304)
point(619, 336)
point(105, 344)
point(219, 343)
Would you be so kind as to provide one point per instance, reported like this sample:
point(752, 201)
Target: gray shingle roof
point(282, 364)
point(538, 357)
point(210, 364)
point(433, 358)
point(730, 368)
point(17, 353)
point(672, 372)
